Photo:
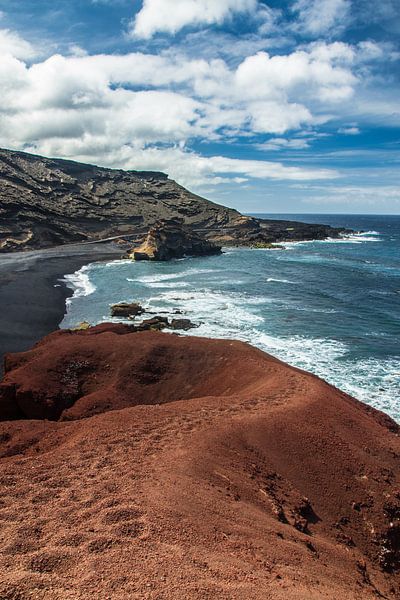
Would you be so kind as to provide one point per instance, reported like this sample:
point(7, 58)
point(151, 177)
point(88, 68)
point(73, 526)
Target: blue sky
point(267, 106)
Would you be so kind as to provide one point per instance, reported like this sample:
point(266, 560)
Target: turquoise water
point(332, 307)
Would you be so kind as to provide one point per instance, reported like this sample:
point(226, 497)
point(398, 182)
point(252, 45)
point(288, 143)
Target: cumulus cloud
point(143, 110)
point(173, 15)
point(322, 70)
point(13, 44)
point(183, 98)
point(318, 17)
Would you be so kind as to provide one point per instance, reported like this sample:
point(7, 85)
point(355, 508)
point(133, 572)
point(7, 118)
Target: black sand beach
point(30, 304)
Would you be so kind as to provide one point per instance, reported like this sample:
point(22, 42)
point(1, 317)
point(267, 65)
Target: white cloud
point(284, 143)
point(13, 44)
point(320, 71)
point(143, 111)
point(189, 168)
point(187, 98)
point(84, 107)
point(172, 15)
point(350, 130)
point(318, 17)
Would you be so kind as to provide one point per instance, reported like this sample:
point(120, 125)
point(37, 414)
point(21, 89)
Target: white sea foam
point(80, 283)
point(117, 263)
point(168, 284)
point(229, 310)
point(232, 316)
point(345, 238)
point(289, 245)
point(273, 280)
point(356, 238)
point(157, 277)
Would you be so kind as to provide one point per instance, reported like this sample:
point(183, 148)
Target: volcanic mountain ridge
point(47, 202)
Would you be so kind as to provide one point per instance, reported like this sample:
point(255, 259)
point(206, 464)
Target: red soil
point(217, 472)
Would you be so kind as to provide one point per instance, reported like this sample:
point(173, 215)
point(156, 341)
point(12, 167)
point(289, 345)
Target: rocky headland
point(148, 465)
point(49, 202)
point(170, 239)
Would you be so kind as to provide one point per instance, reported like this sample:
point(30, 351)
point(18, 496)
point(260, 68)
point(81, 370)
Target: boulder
point(172, 239)
point(155, 324)
point(126, 310)
point(184, 324)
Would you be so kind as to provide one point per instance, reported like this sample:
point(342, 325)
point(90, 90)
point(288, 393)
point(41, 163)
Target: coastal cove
point(329, 307)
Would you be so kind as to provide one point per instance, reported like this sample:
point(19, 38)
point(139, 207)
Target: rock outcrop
point(171, 239)
point(219, 470)
point(154, 323)
point(126, 309)
point(182, 324)
point(47, 202)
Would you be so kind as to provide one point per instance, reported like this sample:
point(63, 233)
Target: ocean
point(330, 307)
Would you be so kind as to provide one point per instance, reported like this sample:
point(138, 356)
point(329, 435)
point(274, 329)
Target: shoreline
point(33, 295)
point(37, 272)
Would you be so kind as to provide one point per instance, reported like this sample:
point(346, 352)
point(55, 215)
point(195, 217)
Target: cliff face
point(219, 470)
point(47, 202)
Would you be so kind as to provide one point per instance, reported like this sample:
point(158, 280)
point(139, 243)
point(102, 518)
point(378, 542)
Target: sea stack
point(172, 239)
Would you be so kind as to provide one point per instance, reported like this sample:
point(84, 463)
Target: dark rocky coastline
point(49, 202)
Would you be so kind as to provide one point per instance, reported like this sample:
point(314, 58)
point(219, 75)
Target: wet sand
point(32, 297)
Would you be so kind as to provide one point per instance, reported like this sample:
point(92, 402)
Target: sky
point(268, 106)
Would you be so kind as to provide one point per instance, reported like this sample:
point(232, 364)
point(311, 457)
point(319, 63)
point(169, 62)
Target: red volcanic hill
point(148, 465)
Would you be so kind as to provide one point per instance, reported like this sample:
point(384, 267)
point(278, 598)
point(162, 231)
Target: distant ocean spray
point(331, 307)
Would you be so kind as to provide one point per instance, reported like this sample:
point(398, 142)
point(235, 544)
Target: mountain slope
point(49, 201)
point(190, 469)
point(46, 202)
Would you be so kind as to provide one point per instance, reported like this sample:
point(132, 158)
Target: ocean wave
point(80, 283)
point(371, 380)
point(273, 280)
point(117, 263)
point(157, 277)
point(356, 238)
point(167, 284)
point(346, 238)
point(289, 245)
point(302, 308)
point(216, 308)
